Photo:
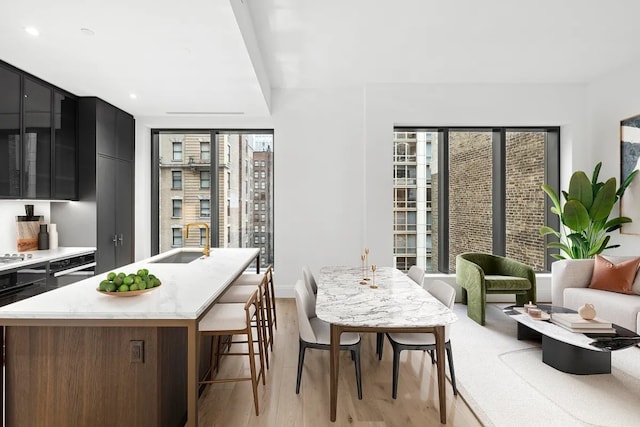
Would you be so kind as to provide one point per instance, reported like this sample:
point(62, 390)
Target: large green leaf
point(616, 223)
point(580, 189)
point(596, 172)
point(576, 216)
point(552, 195)
point(604, 201)
point(626, 183)
point(545, 229)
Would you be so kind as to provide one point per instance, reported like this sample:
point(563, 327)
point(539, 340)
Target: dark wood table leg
point(440, 360)
point(334, 367)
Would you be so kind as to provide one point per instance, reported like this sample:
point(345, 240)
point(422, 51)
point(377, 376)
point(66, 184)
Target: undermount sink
point(179, 258)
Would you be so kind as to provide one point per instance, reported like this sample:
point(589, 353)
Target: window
point(176, 180)
point(203, 236)
point(205, 151)
point(205, 179)
point(230, 212)
point(256, 229)
point(177, 151)
point(256, 206)
point(256, 163)
point(176, 241)
point(484, 195)
point(177, 208)
point(205, 208)
point(263, 185)
point(263, 174)
point(256, 174)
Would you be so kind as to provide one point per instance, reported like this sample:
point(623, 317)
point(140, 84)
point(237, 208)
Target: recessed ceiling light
point(133, 96)
point(87, 31)
point(32, 31)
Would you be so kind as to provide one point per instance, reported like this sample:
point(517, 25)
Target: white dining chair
point(309, 280)
point(446, 294)
point(416, 274)
point(315, 333)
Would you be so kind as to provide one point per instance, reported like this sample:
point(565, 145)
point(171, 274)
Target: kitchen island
point(77, 357)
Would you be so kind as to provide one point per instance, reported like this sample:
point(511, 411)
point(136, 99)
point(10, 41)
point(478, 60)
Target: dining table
point(388, 302)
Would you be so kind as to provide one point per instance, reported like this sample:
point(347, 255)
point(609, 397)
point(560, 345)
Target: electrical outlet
point(136, 349)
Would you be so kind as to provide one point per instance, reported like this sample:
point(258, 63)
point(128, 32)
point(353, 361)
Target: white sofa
point(570, 288)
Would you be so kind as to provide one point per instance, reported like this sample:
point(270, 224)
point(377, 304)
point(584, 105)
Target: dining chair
point(309, 280)
point(315, 333)
point(416, 274)
point(446, 294)
point(232, 320)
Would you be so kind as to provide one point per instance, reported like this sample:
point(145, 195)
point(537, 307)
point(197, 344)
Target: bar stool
point(239, 293)
point(254, 279)
point(236, 319)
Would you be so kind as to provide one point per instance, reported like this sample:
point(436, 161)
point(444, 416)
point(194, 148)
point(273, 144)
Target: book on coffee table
point(573, 320)
point(585, 330)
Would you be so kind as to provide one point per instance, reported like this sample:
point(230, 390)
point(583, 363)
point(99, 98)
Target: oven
point(70, 270)
point(17, 283)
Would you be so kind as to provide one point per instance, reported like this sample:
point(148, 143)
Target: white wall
point(611, 98)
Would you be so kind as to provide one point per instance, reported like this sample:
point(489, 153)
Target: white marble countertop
point(45, 255)
point(397, 302)
point(186, 291)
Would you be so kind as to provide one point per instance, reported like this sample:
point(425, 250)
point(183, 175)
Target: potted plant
point(584, 218)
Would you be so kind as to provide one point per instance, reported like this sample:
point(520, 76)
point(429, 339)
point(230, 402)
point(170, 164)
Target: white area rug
point(506, 383)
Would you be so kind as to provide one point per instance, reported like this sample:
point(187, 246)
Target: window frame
point(551, 177)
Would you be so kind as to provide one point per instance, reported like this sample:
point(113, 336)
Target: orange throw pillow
point(614, 277)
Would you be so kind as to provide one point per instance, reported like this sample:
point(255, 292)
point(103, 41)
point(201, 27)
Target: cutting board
point(27, 228)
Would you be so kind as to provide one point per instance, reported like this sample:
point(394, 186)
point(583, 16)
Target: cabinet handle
point(115, 240)
point(121, 239)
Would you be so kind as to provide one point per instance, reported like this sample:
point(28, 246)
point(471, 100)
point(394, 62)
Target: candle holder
point(364, 270)
point(373, 277)
point(366, 264)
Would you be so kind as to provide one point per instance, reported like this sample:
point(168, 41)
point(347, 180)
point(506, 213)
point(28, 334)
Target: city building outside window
point(205, 151)
point(177, 208)
point(483, 212)
point(205, 208)
point(176, 241)
point(203, 236)
point(177, 151)
point(230, 213)
point(176, 180)
point(205, 179)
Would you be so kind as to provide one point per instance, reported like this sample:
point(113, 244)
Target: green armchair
point(480, 274)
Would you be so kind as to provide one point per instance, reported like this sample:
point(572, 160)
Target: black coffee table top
point(623, 337)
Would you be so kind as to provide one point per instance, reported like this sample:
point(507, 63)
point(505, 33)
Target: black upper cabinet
point(10, 133)
point(65, 111)
point(38, 143)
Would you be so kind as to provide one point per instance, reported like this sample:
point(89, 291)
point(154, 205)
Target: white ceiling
point(203, 56)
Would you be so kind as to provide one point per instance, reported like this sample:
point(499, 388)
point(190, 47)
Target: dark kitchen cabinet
point(10, 107)
point(38, 146)
point(106, 172)
point(115, 213)
point(36, 143)
point(65, 166)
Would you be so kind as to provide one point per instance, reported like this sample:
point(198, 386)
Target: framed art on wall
point(629, 161)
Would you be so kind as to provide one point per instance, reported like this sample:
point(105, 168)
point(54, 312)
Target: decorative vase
point(587, 312)
point(53, 236)
point(43, 237)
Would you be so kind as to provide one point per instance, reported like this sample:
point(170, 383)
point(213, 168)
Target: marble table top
point(186, 291)
point(397, 301)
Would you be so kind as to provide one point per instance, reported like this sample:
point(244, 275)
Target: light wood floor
point(231, 404)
